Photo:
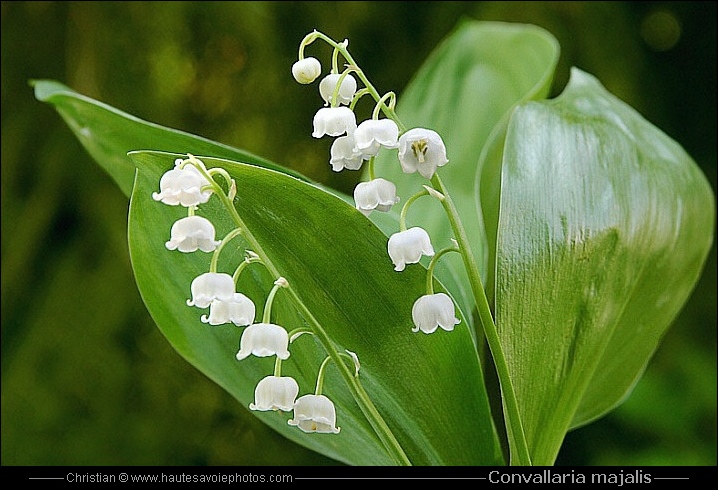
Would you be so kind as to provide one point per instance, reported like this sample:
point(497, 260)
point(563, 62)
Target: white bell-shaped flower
point(346, 91)
point(210, 286)
point(192, 233)
point(334, 121)
point(372, 134)
point(239, 310)
point(407, 247)
point(433, 310)
point(183, 186)
point(421, 150)
point(275, 393)
point(263, 340)
point(378, 194)
point(306, 70)
point(315, 413)
point(345, 155)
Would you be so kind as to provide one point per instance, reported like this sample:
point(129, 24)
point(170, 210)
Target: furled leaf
point(427, 388)
point(604, 228)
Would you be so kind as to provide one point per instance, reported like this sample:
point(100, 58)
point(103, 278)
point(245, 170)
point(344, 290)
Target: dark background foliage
point(87, 379)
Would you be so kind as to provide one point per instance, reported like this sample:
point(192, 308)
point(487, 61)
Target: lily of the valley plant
point(493, 237)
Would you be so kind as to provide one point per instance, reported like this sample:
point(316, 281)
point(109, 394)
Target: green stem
point(247, 260)
point(266, 316)
point(391, 444)
point(432, 264)
point(277, 366)
point(320, 376)
point(225, 240)
point(405, 208)
point(370, 167)
point(517, 439)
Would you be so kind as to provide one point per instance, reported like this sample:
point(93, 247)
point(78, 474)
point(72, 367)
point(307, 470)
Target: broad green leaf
point(109, 134)
point(427, 388)
point(604, 228)
point(464, 90)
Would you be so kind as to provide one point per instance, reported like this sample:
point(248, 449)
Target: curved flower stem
point(517, 439)
point(248, 260)
point(279, 283)
point(298, 332)
point(225, 240)
point(432, 264)
point(391, 444)
point(405, 208)
point(381, 104)
point(320, 376)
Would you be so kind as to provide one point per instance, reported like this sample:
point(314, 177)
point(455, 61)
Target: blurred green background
point(87, 379)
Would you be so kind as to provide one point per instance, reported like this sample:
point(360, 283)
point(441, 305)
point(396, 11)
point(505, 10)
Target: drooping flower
point(183, 186)
point(263, 340)
point(334, 121)
point(433, 310)
point(315, 413)
point(346, 90)
point(275, 393)
point(210, 286)
point(239, 310)
point(345, 155)
point(306, 70)
point(407, 247)
point(421, 150)
point(192, 233)
point(372, 134)
point(378, 194)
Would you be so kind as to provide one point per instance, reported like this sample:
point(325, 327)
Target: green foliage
point(86, 377)
point(579, 177)
point(605, 225)
point(341, 283)
point(109, 134)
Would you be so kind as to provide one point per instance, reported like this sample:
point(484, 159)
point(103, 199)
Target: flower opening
point(183, 186)
point(344, 154)
point(407, 247)
point(315, 413)
point(432, 311)
point(334, 121)
point(210, 286)
point(192, 233)
point(275, 393)
point(378, 194)
point(239, 310)
point(372, 134)
point(421, 150)
point(263, 340)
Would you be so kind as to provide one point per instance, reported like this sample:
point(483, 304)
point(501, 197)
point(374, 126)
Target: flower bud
point(306, 70)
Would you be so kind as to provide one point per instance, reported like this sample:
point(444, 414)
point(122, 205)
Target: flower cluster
point(419, 150)
point(191, 184)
